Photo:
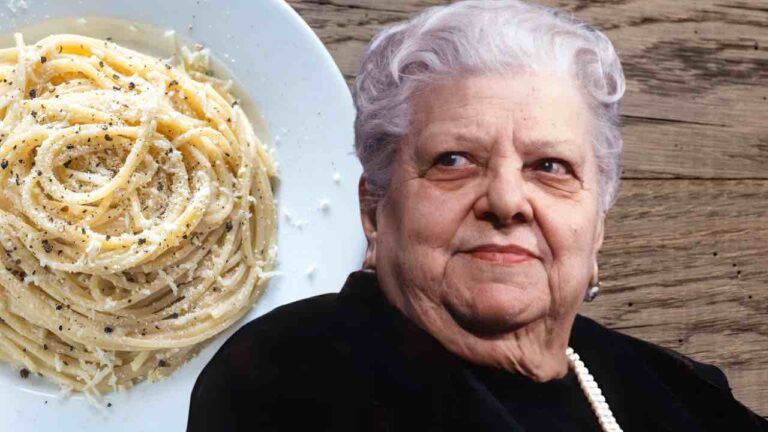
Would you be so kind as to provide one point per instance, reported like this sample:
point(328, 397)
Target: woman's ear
point(600, 232)
point(368, 217)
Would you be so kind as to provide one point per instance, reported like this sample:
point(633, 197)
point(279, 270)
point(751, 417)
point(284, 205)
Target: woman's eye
point(452, 159)
point(554, 166)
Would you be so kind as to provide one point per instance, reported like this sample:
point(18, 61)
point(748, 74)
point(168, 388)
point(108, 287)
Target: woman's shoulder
point(318, 319)
point(290, 357)
point(658, 384)
point(301, 318)
point(588, 331)
point(290, 335)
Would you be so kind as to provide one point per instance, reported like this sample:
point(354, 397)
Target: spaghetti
point(137, 218)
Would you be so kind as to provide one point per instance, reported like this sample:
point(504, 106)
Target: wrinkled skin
point(489, 232)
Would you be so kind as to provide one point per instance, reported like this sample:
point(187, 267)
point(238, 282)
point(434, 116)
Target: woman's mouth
point(501, 255)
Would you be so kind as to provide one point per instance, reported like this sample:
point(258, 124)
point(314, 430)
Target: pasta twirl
point(137, 218)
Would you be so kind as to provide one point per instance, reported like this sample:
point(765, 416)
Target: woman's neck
point(536, 350)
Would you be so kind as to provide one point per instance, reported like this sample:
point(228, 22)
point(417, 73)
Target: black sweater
point(352, 362)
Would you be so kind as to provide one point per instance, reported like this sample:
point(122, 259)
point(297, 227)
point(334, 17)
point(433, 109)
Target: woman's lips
point(501, 255)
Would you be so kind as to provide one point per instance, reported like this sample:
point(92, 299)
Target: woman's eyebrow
point(544, 143)
point(448, 137)
point(456, 133)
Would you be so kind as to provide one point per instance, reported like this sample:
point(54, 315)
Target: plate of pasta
point(168, 172)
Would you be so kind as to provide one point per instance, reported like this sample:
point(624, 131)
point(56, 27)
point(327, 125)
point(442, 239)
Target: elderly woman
point(488, 134)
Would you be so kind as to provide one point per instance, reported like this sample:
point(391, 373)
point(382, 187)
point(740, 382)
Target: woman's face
point(491, 224)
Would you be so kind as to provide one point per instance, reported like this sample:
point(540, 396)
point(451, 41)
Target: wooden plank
point(702, 68)
point(685, 263)
point(344, 30)
point(697, 93)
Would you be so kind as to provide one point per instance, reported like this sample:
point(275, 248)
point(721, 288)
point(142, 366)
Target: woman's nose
point(504, 201)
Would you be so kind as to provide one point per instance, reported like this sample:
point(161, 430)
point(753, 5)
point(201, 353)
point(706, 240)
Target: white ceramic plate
point(284, 68)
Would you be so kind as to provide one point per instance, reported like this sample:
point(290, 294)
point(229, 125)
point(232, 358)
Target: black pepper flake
point(47, 246)
point(45, 347)
point(116, 77)
point(4, 164)
point(24, 373)
point(160, 187)
point(162, 364)
point(107, 137)
point(109, 405)
point(229, 226)
point(141, 241)
point(108, 237)
point(33, 93)
point(43, 59)
point(131, 86)
point(173, 83)
point(61, 328)
point(70, 146)
point(108, 330)
point(66, 164)
point(101, 64)
point(59, 307)
point(174, 315)
point(34, 114)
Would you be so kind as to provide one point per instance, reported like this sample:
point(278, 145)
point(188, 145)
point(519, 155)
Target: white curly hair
point(486, 37)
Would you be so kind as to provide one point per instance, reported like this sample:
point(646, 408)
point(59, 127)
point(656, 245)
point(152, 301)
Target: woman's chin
point(493, 314)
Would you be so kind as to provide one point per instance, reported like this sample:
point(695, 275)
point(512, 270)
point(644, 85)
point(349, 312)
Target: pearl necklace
point(593, 393)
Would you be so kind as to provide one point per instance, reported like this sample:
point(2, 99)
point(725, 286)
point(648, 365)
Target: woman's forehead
point(532, 107)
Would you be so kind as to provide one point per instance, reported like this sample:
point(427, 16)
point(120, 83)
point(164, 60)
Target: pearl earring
point(592, 291)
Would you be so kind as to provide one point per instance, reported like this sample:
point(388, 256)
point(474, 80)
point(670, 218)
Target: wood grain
point(685, 263)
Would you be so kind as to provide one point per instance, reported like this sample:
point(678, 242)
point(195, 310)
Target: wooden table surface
point(685, 261)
